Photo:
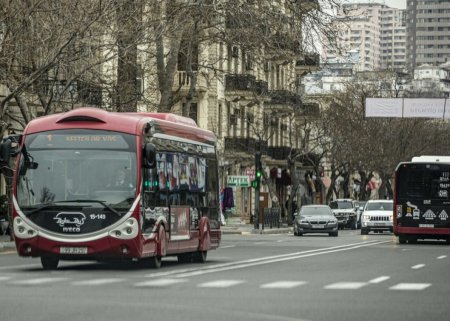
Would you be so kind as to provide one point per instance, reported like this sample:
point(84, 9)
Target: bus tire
point(155, 262)
point(200, 256)
point(49, 262)
point(401, 239)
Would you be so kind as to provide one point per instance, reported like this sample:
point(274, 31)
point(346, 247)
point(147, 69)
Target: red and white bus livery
point(92, 184)
point(422, 199)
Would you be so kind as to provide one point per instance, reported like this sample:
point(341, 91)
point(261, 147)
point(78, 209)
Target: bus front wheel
point(200, 256)
point(49, 263)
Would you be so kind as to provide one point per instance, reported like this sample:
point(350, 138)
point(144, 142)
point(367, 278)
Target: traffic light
point(256, 183)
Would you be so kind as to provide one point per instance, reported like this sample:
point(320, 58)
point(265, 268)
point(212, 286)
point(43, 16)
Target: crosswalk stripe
point(37, 281)
point(97, 281)
point(379, 279)
point(160, 282)
point(441, 257)
point(220, 284)
point(346, 285)
point(410, 286)
point(282, 285)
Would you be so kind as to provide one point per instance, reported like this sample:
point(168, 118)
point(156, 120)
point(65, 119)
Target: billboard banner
point(423, 108)
point(408, 107)
point(384, 107)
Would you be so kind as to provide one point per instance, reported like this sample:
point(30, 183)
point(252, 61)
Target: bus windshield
point(83, 166)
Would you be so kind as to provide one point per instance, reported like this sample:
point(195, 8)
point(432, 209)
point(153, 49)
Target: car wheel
point(299, 234)
point(364, 231)
point(355, 224)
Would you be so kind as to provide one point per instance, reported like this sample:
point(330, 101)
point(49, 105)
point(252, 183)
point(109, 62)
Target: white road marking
point(97, 281)
point(220, 284)
point(441, 257)
point(266, 260)
point(379, 279)
point(280, 241)
point(227, 247)
point(417, 266)
point(282, 285)
point(160, 282)
point(37, 281)
point(345, 285)
point(410, 286)
point(5, 278)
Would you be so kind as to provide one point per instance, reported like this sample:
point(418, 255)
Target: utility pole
point(256, 184)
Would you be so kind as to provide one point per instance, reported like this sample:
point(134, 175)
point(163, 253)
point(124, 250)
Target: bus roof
point(430, 159)
point(131, 123)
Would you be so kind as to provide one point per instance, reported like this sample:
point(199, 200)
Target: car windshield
point(379, 206)
point(341, 205)
point(315, 211)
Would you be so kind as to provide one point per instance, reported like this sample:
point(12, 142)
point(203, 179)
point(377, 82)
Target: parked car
point(377, 216)
point(315, 219)
point(345, 210)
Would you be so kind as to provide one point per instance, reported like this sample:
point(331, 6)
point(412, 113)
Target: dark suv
point(345, 210)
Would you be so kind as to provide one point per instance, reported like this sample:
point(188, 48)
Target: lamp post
point(256, 184)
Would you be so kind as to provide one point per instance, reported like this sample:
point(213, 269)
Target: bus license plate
point(72, 250)
point(426, 225)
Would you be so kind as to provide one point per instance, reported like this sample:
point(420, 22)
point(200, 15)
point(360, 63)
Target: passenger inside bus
point(122, 180)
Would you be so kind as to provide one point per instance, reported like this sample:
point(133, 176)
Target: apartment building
point(428, 29)
point(376, 31)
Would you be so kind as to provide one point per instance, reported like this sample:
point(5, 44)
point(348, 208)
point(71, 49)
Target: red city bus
point(422, 199)
point(91, 184)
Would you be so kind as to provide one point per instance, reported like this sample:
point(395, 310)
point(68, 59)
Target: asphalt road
point(250, 277)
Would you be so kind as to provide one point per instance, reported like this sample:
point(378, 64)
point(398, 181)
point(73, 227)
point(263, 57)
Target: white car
point(378, 216)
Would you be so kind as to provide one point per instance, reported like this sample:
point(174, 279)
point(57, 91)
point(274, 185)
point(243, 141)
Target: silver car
point(377, 216)
point(315, 219)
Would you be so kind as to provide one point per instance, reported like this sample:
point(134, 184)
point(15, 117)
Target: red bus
point(422, 199)
point(93, 185)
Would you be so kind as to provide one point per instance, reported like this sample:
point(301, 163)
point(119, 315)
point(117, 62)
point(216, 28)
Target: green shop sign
point(239, 181)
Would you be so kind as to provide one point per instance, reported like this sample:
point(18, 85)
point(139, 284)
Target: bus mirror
point(5, 150)
point(149, 155)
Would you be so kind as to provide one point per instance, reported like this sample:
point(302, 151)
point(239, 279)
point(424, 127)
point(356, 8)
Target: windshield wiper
point(44, 206)
point(94, 201)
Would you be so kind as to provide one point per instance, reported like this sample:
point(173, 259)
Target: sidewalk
point(6, 244)
point(234, 225)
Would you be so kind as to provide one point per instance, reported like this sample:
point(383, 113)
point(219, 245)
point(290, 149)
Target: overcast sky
point(398, 4)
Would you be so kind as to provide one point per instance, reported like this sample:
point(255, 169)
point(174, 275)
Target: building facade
point(428, 29)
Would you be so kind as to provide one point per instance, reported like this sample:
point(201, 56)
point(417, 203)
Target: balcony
point(261, 87)
point(240, 82)
point(240, 144)
point(281, 153)
point(182, 82)
point(284, 97)
point(309, 60)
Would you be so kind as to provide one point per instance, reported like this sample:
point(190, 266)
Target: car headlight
point(304, 222)
point(366, 217)
point(332, 221)
point(391, 218)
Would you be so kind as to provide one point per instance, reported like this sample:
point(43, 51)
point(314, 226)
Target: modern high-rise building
point(428, 29)
point(376, 31)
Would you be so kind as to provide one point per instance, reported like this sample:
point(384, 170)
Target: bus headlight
point(127, 230)
point(23, 230)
